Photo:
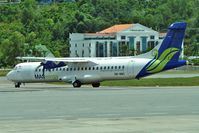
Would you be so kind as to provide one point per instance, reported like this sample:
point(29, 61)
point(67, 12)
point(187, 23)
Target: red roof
point(116, 28)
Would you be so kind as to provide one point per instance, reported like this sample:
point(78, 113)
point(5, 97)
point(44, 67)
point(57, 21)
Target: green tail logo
point(159, 62)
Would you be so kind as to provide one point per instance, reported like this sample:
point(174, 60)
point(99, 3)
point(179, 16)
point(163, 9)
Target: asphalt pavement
point(46, 108)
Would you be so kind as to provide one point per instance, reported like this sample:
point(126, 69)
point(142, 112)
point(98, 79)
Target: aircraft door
point(17, 73)
point(130, 69)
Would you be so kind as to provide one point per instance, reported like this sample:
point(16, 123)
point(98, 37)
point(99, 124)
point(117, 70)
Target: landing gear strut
point(76, 84)
point(17, 85)
point(95, 84)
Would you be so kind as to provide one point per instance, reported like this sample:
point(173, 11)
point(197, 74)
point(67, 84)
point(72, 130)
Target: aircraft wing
point(50, 63)
point(68, 60)
point(31, 58)
point(65, 60)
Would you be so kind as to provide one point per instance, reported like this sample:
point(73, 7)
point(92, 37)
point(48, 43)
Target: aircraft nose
point(9, 75)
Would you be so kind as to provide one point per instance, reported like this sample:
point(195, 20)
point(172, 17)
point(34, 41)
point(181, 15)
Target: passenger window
point(100, 68)
point(74, 69)
point(78, 68)
point(89, 68)
point(119, 67)
point(82, 68)
point(66, 69)
point(85, 68)
point(111, 67)
point(115, 67)
point(70, 69)
point(56, 69)
point(60, 69)
point(108, 67)
point(63, 69)
point(104, 68)
point(122, 67)
point(39, 70)
point(96, 68)
point(93, 68)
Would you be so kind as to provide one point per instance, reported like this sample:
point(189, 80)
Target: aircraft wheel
point(76, 84)
point(95, 84)
point(17, 85)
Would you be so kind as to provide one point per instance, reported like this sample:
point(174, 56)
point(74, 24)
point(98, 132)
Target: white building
point(114, 41)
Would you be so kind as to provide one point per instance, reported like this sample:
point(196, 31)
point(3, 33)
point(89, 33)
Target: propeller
point(43, 70)
point(47, 65)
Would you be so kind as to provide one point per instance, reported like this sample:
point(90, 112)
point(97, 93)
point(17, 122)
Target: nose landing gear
point(17, 85)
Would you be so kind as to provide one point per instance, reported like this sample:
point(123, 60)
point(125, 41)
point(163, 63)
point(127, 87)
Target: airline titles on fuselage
point(118, 70)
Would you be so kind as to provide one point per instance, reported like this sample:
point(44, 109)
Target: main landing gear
point(77, 84)
point(17, 85)
point(95, 85)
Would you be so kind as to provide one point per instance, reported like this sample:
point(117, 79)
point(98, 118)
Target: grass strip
point(3, 72)
point(193, 81)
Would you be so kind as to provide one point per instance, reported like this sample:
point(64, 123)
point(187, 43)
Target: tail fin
point(165, 55)
point(173, 39)
point(171, 43)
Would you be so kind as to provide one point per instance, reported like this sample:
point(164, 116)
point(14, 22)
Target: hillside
point(24, 25)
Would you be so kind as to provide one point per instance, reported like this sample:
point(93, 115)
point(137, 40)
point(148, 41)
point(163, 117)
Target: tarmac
point(49, 108)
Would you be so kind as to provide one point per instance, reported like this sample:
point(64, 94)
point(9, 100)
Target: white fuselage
point(99, 69)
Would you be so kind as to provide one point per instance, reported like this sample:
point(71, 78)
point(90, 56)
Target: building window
point(82, 53)
point(138, 47)
point(76, 53)
point(151, 44)
point(152, 37)
point(144, 43)
point(123, 37)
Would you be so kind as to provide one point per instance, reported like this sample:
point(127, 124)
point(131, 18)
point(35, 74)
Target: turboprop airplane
point(79, 71)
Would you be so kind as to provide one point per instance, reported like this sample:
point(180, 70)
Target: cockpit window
point(17, 67)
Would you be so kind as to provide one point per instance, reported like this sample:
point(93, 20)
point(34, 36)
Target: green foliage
point(25, 25)
point(193, 81)
point(195, 61)
point(3, 72)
